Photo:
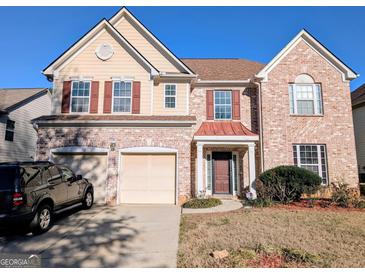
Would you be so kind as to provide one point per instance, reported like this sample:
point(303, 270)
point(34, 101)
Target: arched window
point(305, 96)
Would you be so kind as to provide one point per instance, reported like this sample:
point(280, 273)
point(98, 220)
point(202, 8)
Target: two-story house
point(148, 127)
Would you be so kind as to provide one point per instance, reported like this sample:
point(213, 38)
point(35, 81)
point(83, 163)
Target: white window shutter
point(291, 99)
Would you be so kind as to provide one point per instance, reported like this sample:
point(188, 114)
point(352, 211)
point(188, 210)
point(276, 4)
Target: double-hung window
point(222, 105)
point(122, 96)
point(9, 130)
point(305, 99)
point(170, 96)
point(80, 96)
point(312, 157)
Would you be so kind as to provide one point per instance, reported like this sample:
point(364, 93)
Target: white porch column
point(252, 169)
point(200, 167)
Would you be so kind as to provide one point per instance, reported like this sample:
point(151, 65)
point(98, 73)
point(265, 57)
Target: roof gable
point(303, 35)
point(155, 45)
point(82, 43)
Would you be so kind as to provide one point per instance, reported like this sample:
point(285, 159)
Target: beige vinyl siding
point(25, 136)
point(87, 64)
point(181, 103)
point(144, 46)
point(359, 128)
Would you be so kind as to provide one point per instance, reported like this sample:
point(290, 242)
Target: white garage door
point(147, 179)
point(90, 166)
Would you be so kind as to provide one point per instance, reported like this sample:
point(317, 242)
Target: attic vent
point(104, 51)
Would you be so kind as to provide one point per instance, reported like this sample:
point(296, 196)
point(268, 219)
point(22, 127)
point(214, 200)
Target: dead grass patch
point(274, 237)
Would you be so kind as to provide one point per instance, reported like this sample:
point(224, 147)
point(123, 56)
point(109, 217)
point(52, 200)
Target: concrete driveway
point(122, 236)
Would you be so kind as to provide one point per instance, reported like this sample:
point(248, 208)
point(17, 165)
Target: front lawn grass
point(273, 237)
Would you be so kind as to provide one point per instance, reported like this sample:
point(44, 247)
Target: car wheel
point(42, 220)
point(88, 199)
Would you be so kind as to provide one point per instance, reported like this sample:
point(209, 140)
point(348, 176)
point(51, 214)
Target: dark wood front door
point(221, 172)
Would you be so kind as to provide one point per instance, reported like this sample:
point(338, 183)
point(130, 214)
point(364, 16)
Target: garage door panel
point(148, 178)
point(90, 166)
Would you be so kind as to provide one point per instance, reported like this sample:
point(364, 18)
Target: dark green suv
point(31, 192)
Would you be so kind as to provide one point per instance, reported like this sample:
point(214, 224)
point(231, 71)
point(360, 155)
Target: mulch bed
point(320, 204)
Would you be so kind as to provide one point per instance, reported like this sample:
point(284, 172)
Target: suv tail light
point(18, 199)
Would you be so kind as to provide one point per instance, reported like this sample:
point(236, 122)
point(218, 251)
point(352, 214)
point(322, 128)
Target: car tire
point(42, 220)
point(88, 200)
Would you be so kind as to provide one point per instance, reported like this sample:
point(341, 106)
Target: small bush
point(358, 203)
point(202, 203)
point(288, 183)
point(341, 194)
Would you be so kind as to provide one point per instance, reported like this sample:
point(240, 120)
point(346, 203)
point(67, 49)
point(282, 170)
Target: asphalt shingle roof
point(223, 69)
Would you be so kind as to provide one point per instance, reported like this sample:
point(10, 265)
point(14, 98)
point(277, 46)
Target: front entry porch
point(225, 165)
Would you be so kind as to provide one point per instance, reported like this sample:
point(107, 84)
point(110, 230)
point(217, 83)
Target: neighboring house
point(358, 113)
point(148, 127)
point(18, 106)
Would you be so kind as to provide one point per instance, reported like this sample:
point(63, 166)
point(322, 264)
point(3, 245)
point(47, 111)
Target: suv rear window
point(8, 177)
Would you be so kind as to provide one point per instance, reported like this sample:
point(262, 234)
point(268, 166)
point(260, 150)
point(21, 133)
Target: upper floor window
point(305, 96)
point(9, 131)
point(222, 104)
point(313, 158)
point(80, 96)
point(122, 96)
point(170, 96)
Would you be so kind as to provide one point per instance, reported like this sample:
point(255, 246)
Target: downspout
point(258, 85)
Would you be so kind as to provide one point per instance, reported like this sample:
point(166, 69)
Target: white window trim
point(220, 119)
point(208, 192)
point(235, 173)
point(299, 164)
point(125, 81)
point(315, 100)
point(72, 85)
point(172, 96)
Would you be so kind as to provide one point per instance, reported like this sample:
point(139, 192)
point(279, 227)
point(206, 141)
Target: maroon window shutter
point(236, 105)
point(136, 98)
point(210, 105)
point(108, 96)
point(94, 99)
point(66, 93)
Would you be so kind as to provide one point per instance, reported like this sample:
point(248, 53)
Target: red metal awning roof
point(224, 128)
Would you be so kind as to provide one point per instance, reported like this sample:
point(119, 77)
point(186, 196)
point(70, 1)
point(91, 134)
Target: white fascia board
point(124, 11)
point(69, 55)
point(173, 75)
point(116, 123)
point(226, 138)
point(148, 150)
point(234, 83)
point(79, 150)
point(303, 35)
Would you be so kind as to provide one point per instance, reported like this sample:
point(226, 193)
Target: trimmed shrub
point(202, 203)
point(358, 203)
point(288, 183)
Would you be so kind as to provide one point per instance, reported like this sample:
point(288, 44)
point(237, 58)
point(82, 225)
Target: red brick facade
point(334, 128)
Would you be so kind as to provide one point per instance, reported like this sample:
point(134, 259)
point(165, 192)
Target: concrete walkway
point(121, 236)
point(227, 205)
